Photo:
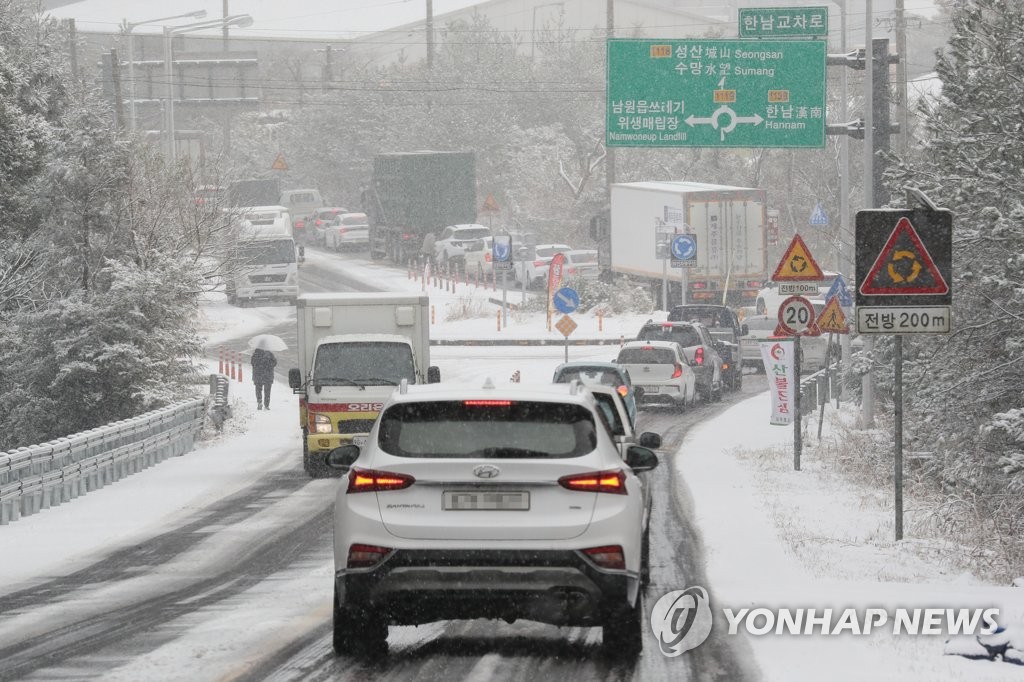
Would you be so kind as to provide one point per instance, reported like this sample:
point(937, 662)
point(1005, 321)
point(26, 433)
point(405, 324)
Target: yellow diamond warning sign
point(832, 319)
point(566, 325)
point(797, 264)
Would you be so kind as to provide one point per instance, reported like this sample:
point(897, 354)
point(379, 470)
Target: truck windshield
point(270, 252)
point(366, 363)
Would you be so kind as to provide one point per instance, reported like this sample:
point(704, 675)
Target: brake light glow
point(725, 365)
point(609, 556)
point(486, 403)
point(342, 230)
point(366, 556)
point(623, 390)
point(407, 235)
point(698, 285)
point(613, 481)
point(300, 223)
point(487, 256)
point(698, 356)
point(371, 481)
point(678, 372)
point(571, 271)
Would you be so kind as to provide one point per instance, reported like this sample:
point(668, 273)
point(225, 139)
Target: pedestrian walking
point(427, 249)
point(263, 363)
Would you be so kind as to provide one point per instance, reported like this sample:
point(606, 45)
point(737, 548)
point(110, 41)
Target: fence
point(41, 476)
point(817, 389)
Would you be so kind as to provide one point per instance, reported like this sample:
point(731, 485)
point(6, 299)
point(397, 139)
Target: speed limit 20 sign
point(796, 318)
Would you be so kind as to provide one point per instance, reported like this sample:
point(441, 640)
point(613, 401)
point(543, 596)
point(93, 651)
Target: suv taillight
point(613, 481)
point(372, 481)
point(698, 356)
point(678, 372)
point(366, 556)
point(539, 263)
point(609, 556)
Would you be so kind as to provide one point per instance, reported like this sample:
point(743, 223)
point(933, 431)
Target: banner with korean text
point(780, 368)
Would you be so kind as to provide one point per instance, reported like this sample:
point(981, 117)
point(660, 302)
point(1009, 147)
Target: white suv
point(660, 373)
point(453, 240)
point(477, 501)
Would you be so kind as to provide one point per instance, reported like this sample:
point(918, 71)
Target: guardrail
point(817, 389)
point(45, 475)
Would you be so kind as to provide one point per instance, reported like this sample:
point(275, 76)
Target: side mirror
point(639, 458)
point(302, 254)
point(294, 378)
point(649, 439)
point(433, 374)
point(341, 458)
point(744, 330)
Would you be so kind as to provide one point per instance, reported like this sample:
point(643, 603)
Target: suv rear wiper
point(376, 381)
point(337, 381)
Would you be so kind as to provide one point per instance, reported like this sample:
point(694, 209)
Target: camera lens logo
point(681, 620)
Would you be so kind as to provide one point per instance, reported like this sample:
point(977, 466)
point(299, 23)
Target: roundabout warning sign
point(904, 270)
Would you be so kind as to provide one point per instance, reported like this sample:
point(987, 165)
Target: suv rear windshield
point(646, 356)
point(472, 233)
point(487, 429)
point(683, 334)
point(708, 315)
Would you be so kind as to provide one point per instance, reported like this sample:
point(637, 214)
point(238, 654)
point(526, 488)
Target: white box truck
point(353, 350)
point(729, 224)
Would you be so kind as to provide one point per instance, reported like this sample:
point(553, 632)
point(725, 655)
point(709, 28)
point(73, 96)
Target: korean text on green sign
point(715, 93)
point(783, 22)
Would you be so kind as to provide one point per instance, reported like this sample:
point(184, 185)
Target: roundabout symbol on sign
point(796, 314)
point(684, 247)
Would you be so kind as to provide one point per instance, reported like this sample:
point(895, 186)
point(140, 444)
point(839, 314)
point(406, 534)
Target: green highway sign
point(783, 22)
point(715, 93)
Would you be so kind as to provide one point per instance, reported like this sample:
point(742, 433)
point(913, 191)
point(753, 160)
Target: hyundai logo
point(486, 471)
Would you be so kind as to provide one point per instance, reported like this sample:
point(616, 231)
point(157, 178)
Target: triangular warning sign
point(832, 319)
point(490, 205)
point(904, 267)
point(797, 264)
point(279, 163)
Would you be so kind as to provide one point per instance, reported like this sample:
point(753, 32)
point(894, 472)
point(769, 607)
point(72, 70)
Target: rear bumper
point(658, 393)
point(422, 586)
point(268, 291)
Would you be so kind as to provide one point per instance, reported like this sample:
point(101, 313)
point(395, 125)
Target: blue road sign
point(818, 216)
point(684, 247)
point(839, 290)
point(501, 248)
point(566, 300)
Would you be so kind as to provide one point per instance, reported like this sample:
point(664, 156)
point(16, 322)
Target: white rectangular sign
point(798, 289)
point(904, 319)
point(780, 369)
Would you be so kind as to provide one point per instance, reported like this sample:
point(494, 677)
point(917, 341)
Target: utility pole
point(224, 31)
point(115, 74)
point(610, 152)
point(430, 35)
point(901, 75)
point(73, 49)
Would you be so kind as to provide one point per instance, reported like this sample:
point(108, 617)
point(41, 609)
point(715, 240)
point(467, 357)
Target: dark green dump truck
point(415, 193)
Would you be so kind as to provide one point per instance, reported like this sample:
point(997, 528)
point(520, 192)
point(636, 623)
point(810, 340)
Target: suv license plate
point(359, 440)
point(490, 500)
point(652, 389)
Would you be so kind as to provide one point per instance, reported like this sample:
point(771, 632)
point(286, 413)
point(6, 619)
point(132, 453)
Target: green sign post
point(783, 22)
point(715, 93)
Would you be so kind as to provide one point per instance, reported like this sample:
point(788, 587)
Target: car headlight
point(321, 423)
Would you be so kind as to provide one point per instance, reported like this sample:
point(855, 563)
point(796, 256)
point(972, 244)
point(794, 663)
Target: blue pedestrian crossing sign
point(566, 300)
point(818, 215)
point(839, 291)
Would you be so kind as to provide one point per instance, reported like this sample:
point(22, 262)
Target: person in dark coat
point(263, 363)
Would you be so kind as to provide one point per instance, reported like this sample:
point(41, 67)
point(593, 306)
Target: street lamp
point(239, 20)
point(128, 27)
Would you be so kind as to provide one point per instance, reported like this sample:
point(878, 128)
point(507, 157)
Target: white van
point(301, 203)
point(262, 264)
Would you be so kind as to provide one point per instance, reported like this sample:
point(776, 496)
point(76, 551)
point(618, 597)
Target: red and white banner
point(554, 279)
point(780, 368)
